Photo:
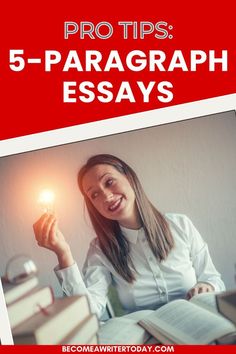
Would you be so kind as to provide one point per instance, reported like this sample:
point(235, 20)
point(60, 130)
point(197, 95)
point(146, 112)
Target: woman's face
point(111, 194)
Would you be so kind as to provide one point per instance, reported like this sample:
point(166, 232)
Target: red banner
point(119, 349)
point(66, 64)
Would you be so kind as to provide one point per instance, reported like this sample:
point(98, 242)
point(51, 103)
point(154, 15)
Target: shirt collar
point(130, 234)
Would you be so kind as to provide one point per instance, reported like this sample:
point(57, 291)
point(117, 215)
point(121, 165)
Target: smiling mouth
point(114, 206)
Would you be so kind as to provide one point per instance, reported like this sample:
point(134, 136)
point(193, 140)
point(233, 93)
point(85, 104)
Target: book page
point(206, 300)
point(185, 322)
point(122, 330)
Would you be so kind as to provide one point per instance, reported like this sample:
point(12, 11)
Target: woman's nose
point(108, 195)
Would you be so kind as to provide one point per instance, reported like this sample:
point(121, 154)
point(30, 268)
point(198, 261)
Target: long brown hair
point(113, 244)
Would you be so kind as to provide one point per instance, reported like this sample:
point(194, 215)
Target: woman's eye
point(94, 195)
point(109, 182)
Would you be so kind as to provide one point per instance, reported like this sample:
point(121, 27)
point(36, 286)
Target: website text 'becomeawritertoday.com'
point(118, 348)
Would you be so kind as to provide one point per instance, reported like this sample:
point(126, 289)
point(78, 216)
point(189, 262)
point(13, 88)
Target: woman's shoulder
point(182, 221)
point(94, 244)
point(94, 252)
point(177, 217)
point(95, 248)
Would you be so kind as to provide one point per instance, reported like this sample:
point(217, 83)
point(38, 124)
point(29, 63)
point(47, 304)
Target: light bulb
point(46, 200)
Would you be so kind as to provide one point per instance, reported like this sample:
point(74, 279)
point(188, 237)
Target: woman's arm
point(208, 278)
point(97, 277)
point(94, 283)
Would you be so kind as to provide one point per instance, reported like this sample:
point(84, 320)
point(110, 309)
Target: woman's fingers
point(53, 233)
point(191, 293)
point(42, 228)
point(202, 289)
point(38, 225)
point(198, 289)
point(47, 227)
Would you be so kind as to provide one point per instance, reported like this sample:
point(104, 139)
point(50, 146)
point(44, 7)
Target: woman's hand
point(198, 289)
point(48, 235)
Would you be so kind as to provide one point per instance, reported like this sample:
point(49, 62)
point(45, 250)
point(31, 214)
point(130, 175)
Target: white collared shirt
point(156, 283)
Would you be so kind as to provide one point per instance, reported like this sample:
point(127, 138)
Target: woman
point(150, 258)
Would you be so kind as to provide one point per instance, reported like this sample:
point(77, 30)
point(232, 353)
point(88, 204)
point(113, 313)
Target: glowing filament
point(46, 200)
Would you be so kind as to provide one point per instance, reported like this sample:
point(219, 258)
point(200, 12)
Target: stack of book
point(36, 317)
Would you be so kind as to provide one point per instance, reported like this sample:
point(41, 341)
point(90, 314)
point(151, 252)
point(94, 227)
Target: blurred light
point(46, 200)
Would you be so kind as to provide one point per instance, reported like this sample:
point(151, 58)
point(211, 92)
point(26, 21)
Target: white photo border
point(117, 125)
point(101, 129)
point(5, 328)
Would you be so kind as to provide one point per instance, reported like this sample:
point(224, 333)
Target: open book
point(124, 330)
point(189, 322)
